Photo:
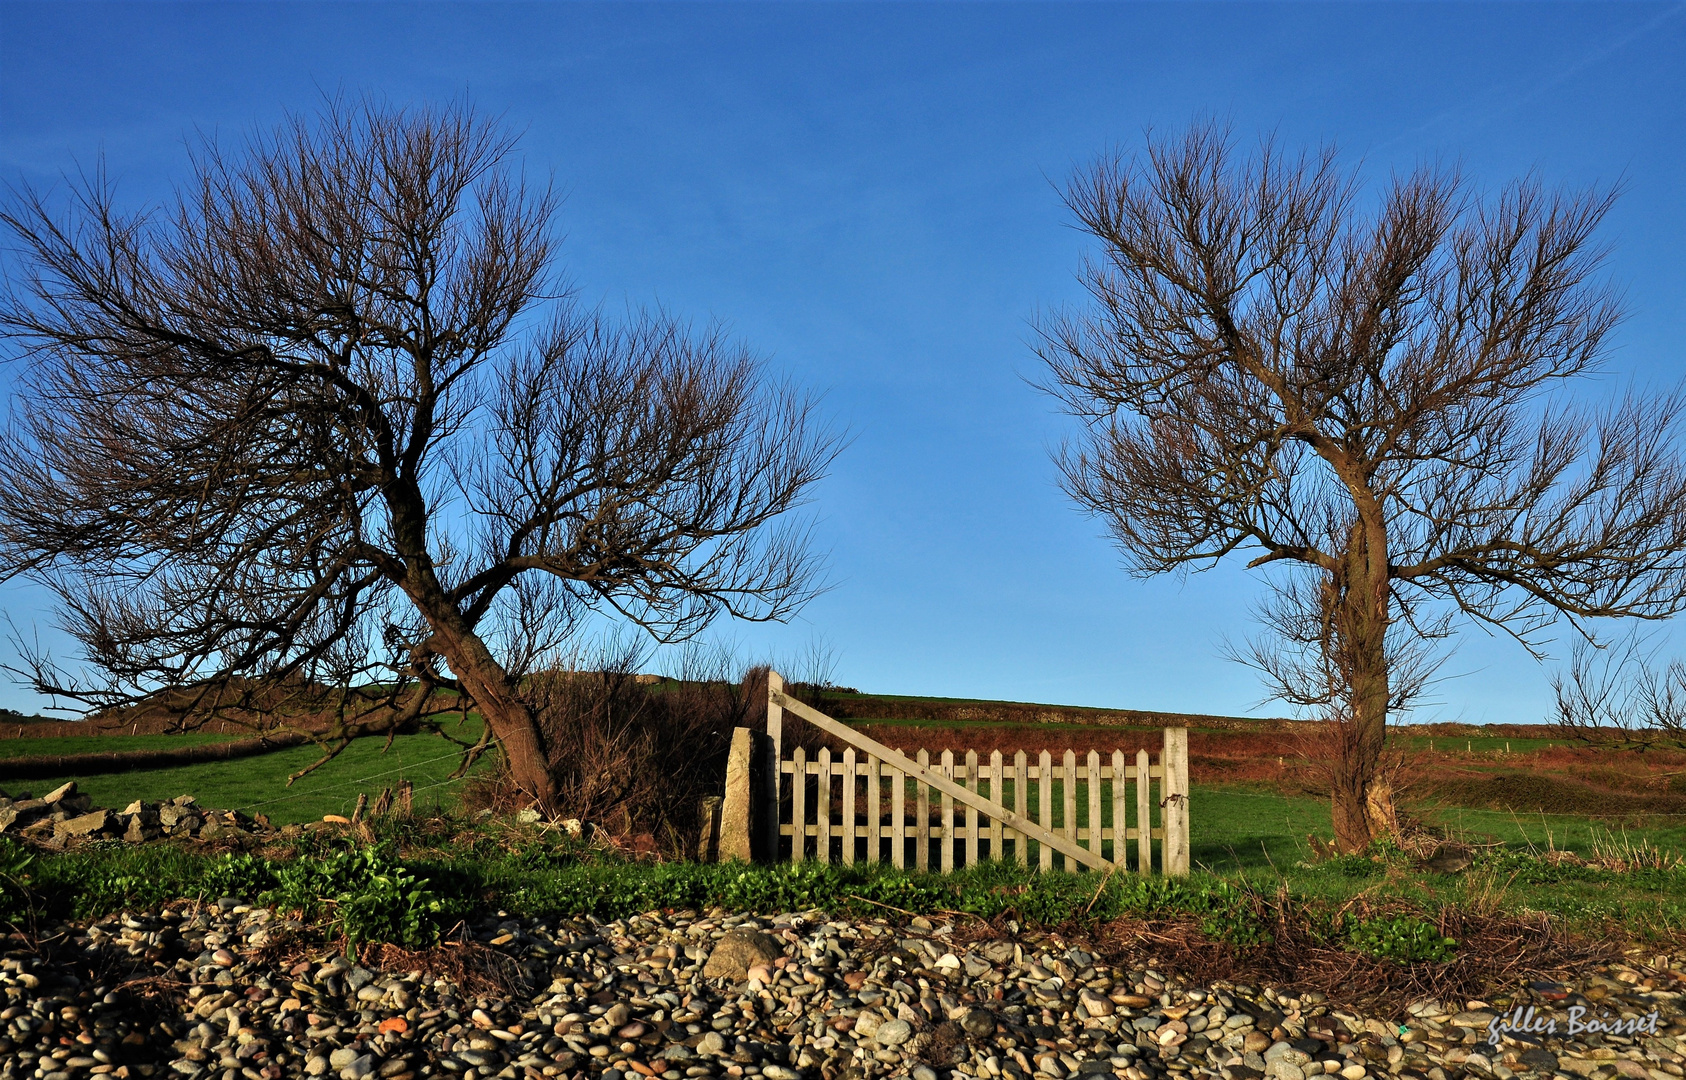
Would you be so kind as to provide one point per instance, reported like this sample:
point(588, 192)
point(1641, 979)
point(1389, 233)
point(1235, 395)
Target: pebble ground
point(217, 993)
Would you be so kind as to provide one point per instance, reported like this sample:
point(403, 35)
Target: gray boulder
point(86, 825)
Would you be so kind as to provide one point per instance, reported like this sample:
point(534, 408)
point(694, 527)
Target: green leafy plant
point(238, 874)
point(368, 895)
point(1402, 938)
point(14, 880)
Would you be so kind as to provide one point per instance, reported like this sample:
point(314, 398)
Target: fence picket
point(1144, 817)
point(1045, 806)
point(849, 806)
point(1119, 827)
point(946, 859)
point(898, 817)
point(922, 807)
point(971, 811)
point(1021, 805)
point(822, 807)
point(1095, 801)
point(874, 828)
point(1070, 801)
point(995, 796)
point(799, 805)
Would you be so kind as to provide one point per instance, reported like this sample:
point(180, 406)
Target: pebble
point(842, 1000)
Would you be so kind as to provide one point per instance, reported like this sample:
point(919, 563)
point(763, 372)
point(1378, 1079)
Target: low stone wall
point(63, 817)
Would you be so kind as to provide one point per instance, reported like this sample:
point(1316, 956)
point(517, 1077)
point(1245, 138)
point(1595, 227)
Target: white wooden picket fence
point(872, 803)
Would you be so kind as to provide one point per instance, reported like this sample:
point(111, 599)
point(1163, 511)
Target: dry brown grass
point(1495, 951)
point(477, 969)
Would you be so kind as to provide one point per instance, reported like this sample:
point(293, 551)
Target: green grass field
point(259, 784)
point(105, 744)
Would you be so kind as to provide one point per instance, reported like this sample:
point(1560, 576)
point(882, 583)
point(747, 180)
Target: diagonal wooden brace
point(942, 783)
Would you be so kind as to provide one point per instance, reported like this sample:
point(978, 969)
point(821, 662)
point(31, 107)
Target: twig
point(888, 907)
point(1099, 888)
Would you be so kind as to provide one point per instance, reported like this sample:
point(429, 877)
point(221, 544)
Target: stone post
point(737, 809)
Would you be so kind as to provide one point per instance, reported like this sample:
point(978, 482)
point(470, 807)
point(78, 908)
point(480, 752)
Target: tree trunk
point(512, 723)
point(1361, 615)
point(487, 682)
point(495, 696)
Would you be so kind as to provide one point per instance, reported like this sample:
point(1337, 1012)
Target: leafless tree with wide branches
point(329, 420)
point(1621, 696)
point(1365, 391)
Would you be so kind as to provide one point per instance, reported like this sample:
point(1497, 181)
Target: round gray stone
point(894, 1032)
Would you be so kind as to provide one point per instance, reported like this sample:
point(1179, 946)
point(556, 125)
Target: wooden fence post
point(1174, 762)
point(774, 770)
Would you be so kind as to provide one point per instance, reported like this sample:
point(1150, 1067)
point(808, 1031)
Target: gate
point(1083, 813)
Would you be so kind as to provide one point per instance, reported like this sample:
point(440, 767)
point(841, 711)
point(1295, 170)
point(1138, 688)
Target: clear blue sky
point(865, 192)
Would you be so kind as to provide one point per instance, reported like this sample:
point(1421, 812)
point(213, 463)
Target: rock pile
point(63, 816)
point(690, 997)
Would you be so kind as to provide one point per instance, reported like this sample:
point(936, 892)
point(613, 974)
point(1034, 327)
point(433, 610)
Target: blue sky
point(866, 193)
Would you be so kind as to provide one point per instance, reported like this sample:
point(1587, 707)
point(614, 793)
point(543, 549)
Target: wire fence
point(342, 785)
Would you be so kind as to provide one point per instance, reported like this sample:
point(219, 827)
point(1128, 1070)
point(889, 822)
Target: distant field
point(88, 744)
point(1252, 809)
point(1254, 828)
point(258, 784)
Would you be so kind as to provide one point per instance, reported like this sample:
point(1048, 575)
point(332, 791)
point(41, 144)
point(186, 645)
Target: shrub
point(243, 874)
point(367, 895)
point(634, 760)
point(101, 879)
point(1402, 938)
point(14, 880)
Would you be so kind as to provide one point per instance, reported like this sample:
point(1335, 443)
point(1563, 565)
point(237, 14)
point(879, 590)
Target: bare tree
point(329, 421)
point(1618, 696)
point(1366, 389)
